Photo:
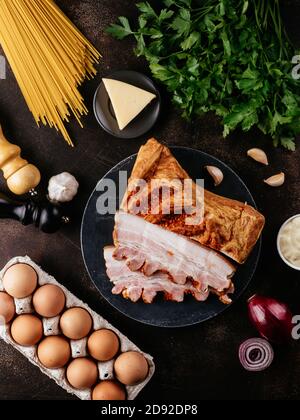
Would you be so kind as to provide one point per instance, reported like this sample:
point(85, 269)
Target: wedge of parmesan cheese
point(128, 101)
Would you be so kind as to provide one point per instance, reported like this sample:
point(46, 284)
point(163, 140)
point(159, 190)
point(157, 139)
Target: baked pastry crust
point(228, 226)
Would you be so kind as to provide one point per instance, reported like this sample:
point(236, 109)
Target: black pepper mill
point(47, 217)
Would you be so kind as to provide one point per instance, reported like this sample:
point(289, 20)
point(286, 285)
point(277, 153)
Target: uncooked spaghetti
point(50, 59)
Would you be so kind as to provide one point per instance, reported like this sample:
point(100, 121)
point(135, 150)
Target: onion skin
point(271, 318)
point(256, 355)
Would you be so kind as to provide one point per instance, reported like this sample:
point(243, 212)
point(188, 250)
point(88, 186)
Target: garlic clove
point(276, 180)
point(216, 174)
point(259, 156)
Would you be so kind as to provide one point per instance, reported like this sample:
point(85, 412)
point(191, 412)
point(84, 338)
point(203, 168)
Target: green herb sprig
point(232, 57)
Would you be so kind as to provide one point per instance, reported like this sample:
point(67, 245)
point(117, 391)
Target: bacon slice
point(135, 285)
point(151, 249)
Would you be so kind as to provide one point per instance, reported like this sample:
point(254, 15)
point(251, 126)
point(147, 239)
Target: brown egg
point(27, 330)
point(76, 323)
point(49, 301)
point(109, 391)
point(20, 281)
point(82, 373)
point(54, 352)
point(131, 368)
point(7, 308)
point(103, 345)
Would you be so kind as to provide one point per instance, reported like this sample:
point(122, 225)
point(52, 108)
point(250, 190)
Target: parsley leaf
point(288, 143)
point(120, 31)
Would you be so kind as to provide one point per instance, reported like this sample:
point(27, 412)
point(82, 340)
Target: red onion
point(272, 318)
point(256, 354)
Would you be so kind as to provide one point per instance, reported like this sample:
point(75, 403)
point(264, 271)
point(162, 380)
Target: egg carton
point(79, 347)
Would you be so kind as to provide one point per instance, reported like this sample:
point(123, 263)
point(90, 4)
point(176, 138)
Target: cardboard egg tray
point(79, 348)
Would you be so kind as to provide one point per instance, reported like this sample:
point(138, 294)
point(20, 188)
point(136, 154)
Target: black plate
point(96, 233)
point(142, 123)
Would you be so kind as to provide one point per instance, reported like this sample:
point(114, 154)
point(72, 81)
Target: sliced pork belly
point(151, 249)
point(135, 285)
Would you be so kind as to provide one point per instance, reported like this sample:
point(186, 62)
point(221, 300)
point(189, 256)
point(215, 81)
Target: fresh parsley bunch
point(231, 57)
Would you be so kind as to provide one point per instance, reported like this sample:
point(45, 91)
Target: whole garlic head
point(62, 188)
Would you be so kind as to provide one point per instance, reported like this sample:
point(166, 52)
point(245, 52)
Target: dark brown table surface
point(192, 363)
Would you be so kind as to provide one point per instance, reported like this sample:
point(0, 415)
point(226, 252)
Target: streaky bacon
point(135, 285)
point(151, 249)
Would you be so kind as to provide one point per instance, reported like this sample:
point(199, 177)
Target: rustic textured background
point(193, 363)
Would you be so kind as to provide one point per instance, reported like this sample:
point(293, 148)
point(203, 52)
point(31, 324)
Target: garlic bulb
point(62, 188)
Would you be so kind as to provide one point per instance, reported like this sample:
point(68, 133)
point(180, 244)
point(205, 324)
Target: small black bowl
point(142, 123)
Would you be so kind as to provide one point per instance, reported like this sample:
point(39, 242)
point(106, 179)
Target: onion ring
point(256, 355)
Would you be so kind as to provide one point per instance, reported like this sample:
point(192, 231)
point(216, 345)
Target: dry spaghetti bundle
point(49, 57)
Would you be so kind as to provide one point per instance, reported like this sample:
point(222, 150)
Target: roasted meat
point(228, 226)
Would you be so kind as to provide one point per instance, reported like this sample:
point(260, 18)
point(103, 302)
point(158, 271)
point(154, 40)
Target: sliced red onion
point(256, 354)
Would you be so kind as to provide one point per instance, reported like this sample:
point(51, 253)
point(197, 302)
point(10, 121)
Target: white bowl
point(278, 243)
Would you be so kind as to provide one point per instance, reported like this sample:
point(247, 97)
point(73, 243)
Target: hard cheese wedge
point(128, 101)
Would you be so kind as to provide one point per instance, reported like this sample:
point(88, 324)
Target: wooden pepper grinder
point(21, 177)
